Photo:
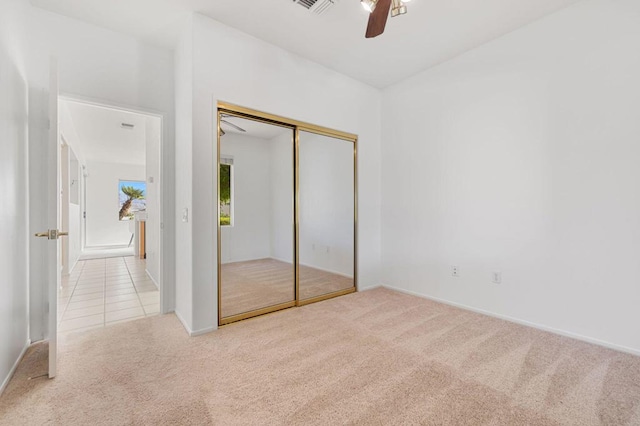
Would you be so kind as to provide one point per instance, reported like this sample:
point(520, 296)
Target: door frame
point(166, 300)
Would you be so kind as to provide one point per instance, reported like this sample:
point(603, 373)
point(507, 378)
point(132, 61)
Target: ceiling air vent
point(316, 6)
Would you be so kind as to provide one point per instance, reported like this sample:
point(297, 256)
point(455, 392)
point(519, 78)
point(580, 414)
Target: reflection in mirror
point(326, 214)
point(256, 216)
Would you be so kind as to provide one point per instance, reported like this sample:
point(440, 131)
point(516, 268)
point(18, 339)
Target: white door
point(53, 265)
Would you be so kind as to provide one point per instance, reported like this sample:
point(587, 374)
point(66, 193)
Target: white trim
point(521, 322)
point(184, 323)
point(314, 267)
point(6, 381)
point(279, 260)
point(101, 103)
point(191, 332)
point(289, 262)
point(106, 246)
point(373, 287)
point(75, 263)
point(167, 302)
point(251, 260)
point(202, 331)
point(151, 278)
point(327, 270)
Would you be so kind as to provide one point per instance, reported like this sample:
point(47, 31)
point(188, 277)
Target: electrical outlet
point(185, 215)
point(455, 271)
point(496, 277)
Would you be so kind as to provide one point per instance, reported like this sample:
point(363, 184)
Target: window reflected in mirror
point(287, 213)
point(256, 216)
point(226, 192)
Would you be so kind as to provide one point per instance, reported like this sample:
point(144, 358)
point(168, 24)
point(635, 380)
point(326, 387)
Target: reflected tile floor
point(101, 292)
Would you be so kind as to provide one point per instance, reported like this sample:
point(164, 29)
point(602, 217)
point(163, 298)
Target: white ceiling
point(431, 32)
point(252, 128)
point(100, 136)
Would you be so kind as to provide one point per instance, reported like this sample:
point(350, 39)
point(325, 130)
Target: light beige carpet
point(370, 358)
point(255, 284)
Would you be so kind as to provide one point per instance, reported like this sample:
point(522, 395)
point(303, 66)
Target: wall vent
point(316, 6)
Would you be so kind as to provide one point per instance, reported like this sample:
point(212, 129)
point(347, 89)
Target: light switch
point(185, 215)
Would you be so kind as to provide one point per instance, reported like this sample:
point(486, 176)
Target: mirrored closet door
point(256, 217)
point(326, 214)
point(286, 215)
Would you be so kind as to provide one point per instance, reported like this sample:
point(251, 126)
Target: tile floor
point(101, 292)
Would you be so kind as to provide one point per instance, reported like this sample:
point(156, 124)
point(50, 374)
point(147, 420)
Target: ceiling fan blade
point(378, 19)
point(233, 125)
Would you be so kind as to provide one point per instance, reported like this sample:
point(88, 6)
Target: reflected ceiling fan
point(223, 121)
point(379, 12)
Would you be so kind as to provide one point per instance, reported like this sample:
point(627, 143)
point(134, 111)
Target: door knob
point(52, 234)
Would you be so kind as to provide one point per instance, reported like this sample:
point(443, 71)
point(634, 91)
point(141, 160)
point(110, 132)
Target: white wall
point(110, 68)
point(63, 212)
point(281, 194)
point(522, 156)
point(231, 66)
point(183, 176)
point(326, 206)
point(75, 226)
point(69, 133)
point(104, 228)
point(250, 236)
point(263, 200)
point(14, 232)
point(75, 213)
point(71, 220)
point(75, 243)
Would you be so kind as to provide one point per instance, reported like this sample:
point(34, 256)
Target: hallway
point(102, 292)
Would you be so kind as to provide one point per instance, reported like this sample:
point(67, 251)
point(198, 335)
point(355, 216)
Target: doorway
point(111, 186)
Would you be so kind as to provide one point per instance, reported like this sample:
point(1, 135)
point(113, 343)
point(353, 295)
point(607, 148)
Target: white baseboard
point(107, 247)
point(327, 270)
point(75, 263)
point(248, 259)
point(151, 278)
point(313, 267)
point(225, 262)
point(559, 332)
point(184, 323)
point(202, 331)
point(193, 333)
point(373, 287)
point(7, 379)
point(280, 260)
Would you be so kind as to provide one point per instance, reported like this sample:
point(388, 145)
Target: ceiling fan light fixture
point(398, 8)
point(369, 5)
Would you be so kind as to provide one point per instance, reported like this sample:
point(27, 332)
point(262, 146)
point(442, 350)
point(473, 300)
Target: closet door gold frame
point(296, 127)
